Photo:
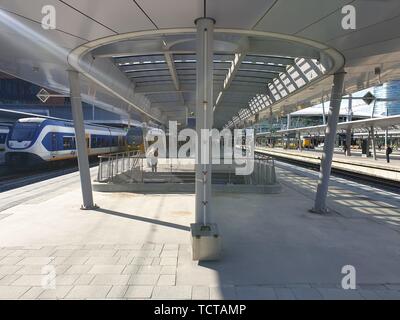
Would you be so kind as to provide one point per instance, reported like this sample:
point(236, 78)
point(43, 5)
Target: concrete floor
point(138, 246)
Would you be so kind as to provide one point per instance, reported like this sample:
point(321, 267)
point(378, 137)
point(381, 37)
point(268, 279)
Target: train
point(36, 141)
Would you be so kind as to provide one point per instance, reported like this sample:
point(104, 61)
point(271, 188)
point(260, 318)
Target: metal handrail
point(113, 164)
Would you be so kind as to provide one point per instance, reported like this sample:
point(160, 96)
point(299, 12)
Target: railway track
point(372, 181)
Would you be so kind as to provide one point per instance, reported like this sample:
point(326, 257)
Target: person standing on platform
point(388, 153)
point(154, 161)
point(152, 158)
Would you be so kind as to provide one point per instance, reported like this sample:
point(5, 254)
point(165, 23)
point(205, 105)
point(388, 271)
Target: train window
point(95, 142)
point(24, 131)
point(68, 143)
point(54, 141)
point(3, 137)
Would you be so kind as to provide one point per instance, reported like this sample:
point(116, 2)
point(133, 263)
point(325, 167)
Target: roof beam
point(315, 67)
point(256, 67)
point(283, 85)
point(301, 73)
point(282, 48)
point(172, 70)
point(126, 48)
point(294, 84)
point(233, 70)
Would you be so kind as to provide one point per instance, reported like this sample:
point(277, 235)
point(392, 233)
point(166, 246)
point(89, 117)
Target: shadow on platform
point(143, 219)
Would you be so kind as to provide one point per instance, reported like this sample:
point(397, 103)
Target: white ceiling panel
point(368, 13)
point(67, 19)
point(119, 15)
point(379, 33)
point(30, 36)
point(227, 13)
point(291, 16)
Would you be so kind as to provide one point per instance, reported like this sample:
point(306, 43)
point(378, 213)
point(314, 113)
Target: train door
point(54, 145)
point(87, 136)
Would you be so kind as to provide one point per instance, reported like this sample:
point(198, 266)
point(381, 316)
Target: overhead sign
point(368, 98)
point(43, 95)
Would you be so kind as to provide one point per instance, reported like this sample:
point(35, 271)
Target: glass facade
point(20, 95)
point(390, 91)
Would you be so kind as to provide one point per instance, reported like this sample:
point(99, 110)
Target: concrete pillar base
point(206, 242)
point(88, 208)
point(324, 211)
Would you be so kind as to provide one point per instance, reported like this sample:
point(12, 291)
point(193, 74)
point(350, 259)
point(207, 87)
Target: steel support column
point(270, 119)
point(329, 143)
point(373, 142)
point(288, 121)
point(81, 142)
point(323, 111)
point(386, 130)
point(348, 129)
point(300, 142)
point(288, 135)
point(204, 117)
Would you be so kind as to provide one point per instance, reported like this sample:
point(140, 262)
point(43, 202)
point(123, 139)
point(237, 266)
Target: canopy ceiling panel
point(128, 50)
point(119, 15)
point(242, 14)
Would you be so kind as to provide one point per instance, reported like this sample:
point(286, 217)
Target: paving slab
point(88, 292)
point(166, 280)
point(111, 279)
point(144, 279)
point(117, 292)
point(255, 293)
point(200, 293)
point(15, 292)
point(139, 292)
point(176, 292)
point(60, 292)
point(107, 269)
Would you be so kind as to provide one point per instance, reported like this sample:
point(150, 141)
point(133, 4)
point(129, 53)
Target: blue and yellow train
point(33, 141)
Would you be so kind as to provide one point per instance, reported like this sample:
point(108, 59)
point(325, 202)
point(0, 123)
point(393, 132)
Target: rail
point(111, 165)
point(264, 171)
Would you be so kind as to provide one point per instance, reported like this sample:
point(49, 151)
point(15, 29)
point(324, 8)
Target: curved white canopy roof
point(307, 34)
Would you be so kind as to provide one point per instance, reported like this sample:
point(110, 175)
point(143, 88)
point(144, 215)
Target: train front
point(21, 144)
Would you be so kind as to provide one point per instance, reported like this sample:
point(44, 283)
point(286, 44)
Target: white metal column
point(329, 143)
point(373, 142)
point(300, 142)
point(386, 130)
point(323, 111)
point(288, 135)
point(204, 117)
point(348, 129)
point(80, 138)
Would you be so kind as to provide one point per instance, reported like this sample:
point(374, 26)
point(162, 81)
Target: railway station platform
point(137, 246)
point(365, 167)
